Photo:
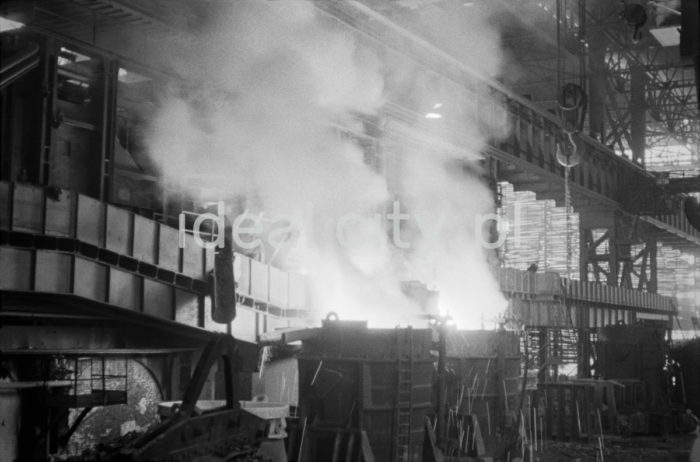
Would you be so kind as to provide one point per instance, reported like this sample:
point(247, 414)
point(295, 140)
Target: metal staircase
point(404, 397)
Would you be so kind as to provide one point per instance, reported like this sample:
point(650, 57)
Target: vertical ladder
point(404, 397)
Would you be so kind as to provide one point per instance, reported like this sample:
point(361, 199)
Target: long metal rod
point(569, 230)
point(13, 61)
point(6, 80)
point(559, 47)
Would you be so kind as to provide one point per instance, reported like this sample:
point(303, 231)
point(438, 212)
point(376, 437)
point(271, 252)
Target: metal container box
point(487, 381)
point(145, 239)
point(16, 269)
point(168, 248)
point(353, 379)
point(687, 354)
point(27, 208)
point(90, 279)
point(158, 299)
point(60, 214)
point(91, 221)
point(119, 230)
point(193, 258)
point(124, 289)
point(187, 307)
point(53, 272)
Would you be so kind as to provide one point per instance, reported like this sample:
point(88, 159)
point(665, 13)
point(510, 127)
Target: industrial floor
point(676, 448)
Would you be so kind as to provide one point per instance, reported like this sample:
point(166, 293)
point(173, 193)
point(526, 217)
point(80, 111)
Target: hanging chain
point(567, 161)
point(567, 206)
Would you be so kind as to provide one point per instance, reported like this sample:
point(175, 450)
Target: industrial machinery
point(687, 356)
point(364, 392)
point(649, 400)
point(482, 392)
point(226, 431)
point(402, 394)
point(408, 394)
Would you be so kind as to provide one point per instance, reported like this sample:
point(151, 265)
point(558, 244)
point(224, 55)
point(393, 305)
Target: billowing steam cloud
point(272, 81)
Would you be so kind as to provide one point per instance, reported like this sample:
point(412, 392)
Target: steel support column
point(584, 341)
point(638, 111)
point(597, 86)
point(597, 260)
point(542, 353)
point(618, 250)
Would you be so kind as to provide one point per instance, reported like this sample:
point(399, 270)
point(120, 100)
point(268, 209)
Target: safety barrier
point(528, 285)
point(140, 244)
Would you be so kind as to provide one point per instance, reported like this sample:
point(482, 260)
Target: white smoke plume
point(271, 81)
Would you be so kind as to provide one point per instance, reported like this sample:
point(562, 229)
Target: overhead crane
point(608, 191)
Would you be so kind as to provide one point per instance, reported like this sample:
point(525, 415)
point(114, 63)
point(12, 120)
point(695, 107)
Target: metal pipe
point(6, 80)
point(21, 56)
point(26, 315)
point(441, 430)
point(74, 75)
point(664, 7)
point(336, 447)
point(351, 445)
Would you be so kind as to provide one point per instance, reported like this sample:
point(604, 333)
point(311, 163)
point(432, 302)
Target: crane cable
point(565, 162)
point(569, 211)
point(573, 103)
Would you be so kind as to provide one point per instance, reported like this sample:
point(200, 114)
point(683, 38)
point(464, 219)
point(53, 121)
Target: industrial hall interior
point(350, 230)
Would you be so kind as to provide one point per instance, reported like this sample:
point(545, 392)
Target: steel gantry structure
point(624, 208)
point(605, 182)
point(614, 194)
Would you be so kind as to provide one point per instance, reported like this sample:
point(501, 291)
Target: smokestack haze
point(273, 81)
